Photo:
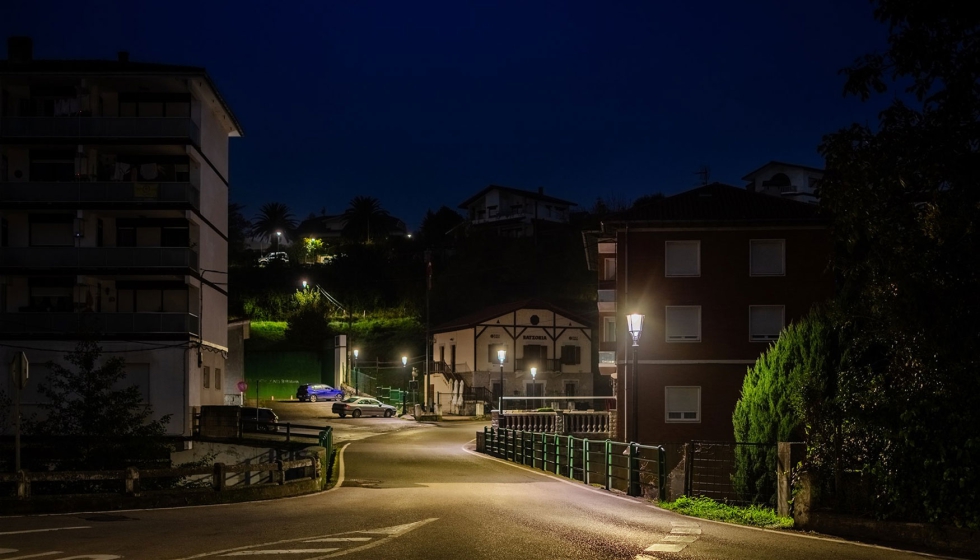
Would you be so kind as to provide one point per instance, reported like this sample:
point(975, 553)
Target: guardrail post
point(570, 452)
point(23, 485)
point(608, 461)
point(287, 432)
point(585, 460)
point(280, 473)
point(132, 481)
point(662, 473)
point(688, 469)
point(633, 474)
point(218, 477)
point(557, 456)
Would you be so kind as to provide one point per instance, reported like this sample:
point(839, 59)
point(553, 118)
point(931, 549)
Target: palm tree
point(273, 217)
point(365, 215)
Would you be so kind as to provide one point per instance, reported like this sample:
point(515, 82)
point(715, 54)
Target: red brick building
point(717, 272)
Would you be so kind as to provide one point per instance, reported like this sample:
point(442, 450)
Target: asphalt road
point(416, 491)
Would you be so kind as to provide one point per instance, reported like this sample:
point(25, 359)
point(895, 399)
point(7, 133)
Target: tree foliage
point(905, 200)
point(106, 423)
point(309, 325)
point(273, 217)
point(367, 221)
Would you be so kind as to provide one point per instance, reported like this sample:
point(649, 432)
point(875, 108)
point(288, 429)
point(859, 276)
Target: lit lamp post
point(357, 390)
point(534, 384)
point(501, 356)
point(635, 324)
point(278, 235)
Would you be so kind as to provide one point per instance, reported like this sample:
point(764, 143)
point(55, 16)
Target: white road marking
point(44, 530)
point(33, 555)
point(665, 547)
point(395, 530)
point(680, 538)
point(340, 539)
point(6, 550)
point(91, 557)
point(685, 531)
point(288, 551)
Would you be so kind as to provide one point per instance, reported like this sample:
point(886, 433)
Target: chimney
point(124, 56)
point(20, 49)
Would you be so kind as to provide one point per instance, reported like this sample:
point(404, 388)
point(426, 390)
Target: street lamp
point(404, 361)
point(304, 284)
point(635, 325)
point(534, 385)
point(357, 390)
point(501, 356)
point(278, 235)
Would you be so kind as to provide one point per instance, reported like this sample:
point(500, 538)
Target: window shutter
point(683, 403)
point(767, 257)
point(682, 258)
point(683, 323)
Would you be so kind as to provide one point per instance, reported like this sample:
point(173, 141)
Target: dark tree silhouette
point(366, 219)
point(438, 227)
point(273, 217)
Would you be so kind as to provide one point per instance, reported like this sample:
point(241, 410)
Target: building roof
point(494, 311)
point(521, 192)
point(751, 174)
point(115, 68)
point(718, 202)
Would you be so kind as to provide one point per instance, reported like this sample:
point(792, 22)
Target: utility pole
point(428, 342)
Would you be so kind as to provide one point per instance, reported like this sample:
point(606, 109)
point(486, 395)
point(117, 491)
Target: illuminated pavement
point(416, 492)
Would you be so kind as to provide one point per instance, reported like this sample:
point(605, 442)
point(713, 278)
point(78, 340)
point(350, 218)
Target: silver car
point(363, 406)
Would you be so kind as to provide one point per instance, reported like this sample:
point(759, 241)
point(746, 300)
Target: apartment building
point(511, 212)
point(113, 221)
point(717, 272)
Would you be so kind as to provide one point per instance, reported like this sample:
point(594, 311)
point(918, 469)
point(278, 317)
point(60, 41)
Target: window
point(217, 378)
point(52, 230)
point(207, 377)
point(607, 358)
point(682, 258)
point(534, 389)
point(571, 354)
point(765, 322)
point(609, 269)
point(683, 323)
point(492, 354)
point(767, 257)
point(569, 388)
point(534, 356)
point(609, 329)
point(683, 404)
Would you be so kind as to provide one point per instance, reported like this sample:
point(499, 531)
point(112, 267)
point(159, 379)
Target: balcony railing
point(543, 364)
point(98, 323)
point(98, 257)
point(100, 194)
point(156, 128)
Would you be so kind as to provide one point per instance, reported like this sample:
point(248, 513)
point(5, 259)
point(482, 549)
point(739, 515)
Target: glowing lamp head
point(501, 356)
point(356, 352)
point(635, 325)
point(404, 360)
point(534, 372)
point(304, 283)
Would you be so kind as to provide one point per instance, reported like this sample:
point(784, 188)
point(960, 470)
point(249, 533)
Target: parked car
point(259, 420)
point(315, 393)
point(279, 256)
point(358, 406)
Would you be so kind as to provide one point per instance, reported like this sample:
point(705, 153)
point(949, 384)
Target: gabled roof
point(494, 311)
point(521, 192)
point(115, 68)
point(751, 174)
point(718, 202)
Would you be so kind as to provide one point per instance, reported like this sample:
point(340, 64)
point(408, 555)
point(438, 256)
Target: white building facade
point(113, 222)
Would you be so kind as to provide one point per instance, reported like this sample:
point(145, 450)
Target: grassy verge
point(706, 508)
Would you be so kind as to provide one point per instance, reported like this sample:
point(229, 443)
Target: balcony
point(607, 301)
point(543, 364)
point(85, 195)
point(153, 260)
point(79, 129)
point(60, 324)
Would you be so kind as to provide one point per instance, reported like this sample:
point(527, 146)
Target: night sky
point(423, 103)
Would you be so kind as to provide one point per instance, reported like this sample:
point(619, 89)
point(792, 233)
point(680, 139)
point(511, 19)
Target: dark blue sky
point(423, 103)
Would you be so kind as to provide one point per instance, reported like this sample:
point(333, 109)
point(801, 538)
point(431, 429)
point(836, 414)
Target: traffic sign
point(242, 386)
point(19, 370)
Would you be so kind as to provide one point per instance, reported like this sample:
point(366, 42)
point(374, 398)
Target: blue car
point(315, 393)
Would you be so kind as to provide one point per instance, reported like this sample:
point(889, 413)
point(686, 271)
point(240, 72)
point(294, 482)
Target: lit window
point(767, 257)
point(683, 323)
point(683, 404)
point(765, 322)
point(682, 258)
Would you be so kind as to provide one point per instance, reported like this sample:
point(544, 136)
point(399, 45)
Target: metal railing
point(98, 257)
point(141, 194)
point(176, 128)
point(632, 468)
point(98, 323)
